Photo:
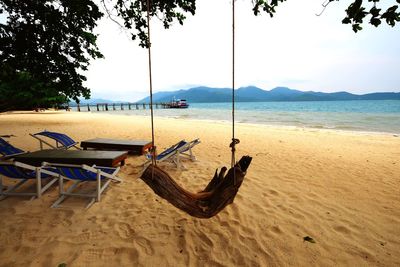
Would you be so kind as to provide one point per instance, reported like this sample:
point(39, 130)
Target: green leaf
point(376, 22)
point(346, 20)
point(375, 11)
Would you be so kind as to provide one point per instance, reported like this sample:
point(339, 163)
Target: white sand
point(340, 188)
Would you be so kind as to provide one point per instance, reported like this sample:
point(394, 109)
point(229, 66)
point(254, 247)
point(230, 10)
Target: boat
point(178, 103)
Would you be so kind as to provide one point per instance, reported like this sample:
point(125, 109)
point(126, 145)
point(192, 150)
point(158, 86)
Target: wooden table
point(137, 147)
point(89, 157)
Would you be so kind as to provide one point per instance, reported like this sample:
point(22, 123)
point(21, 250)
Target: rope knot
point(152, 150)
point(152, 153)
point(235, 141)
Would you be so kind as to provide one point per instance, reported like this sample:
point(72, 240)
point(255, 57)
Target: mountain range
point(204, 94)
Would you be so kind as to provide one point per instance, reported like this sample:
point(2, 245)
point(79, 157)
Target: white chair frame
point(100, 186)
point(57, 146)
point(11, 191)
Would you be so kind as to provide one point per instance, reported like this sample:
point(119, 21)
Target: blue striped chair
point(187, 150)
point(7, 150)
point(63, 141)
point(174, 153)
point(170, 154)
point(25, 172)
point(102, 176)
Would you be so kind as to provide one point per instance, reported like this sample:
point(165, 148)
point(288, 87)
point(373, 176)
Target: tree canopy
point(44, 48)
point(356, 12)
point(134, 12)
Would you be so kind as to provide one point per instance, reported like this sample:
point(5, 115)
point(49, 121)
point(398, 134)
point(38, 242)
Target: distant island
point(204, 94)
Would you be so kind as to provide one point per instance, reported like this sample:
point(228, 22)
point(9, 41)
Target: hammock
point(219, 193)
point(222, 189)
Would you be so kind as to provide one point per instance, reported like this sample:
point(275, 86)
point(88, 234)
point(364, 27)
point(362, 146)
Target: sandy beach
point(340, 188)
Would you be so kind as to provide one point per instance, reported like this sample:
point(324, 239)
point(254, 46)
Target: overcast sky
point(296, 49)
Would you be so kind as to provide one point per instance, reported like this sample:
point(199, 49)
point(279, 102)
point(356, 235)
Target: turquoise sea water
point(366, 115)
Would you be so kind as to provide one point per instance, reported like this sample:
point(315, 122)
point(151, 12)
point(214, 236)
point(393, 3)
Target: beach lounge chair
point(187, 150)
point(102, 176)
point(8, 151)
point(63, 141)
point(25, 172)
point(174, 153)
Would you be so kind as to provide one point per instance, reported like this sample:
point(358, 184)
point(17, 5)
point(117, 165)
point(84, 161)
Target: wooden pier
point(118, 106)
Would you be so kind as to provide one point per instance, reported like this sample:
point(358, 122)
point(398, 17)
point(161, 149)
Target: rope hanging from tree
point(153, 148)
point(222, 189)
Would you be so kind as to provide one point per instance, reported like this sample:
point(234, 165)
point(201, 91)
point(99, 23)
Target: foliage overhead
point(44, 47)
point(356, 12)
point(133, 13)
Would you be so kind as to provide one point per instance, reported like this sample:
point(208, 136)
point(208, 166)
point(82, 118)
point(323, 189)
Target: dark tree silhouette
point(44, 47)
point(356, 12)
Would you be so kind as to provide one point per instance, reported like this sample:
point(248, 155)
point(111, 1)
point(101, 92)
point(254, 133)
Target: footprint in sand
point(246, 231)
point(276, 229)
point(63, 218)
point(206, 240)
point(342, 229)
point(144, 245)
point(82, 238)
point(90, 256)
point(181, 221)
point(124, 230)
point(273, 192)
point(33, 237)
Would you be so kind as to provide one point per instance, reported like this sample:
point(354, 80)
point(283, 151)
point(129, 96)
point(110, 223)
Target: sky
point(295, 48)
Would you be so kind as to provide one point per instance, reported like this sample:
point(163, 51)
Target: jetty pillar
point(106, 107)
point(113, 106)
point(122, 106)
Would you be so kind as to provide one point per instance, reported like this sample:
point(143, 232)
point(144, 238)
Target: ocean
point(364, 115)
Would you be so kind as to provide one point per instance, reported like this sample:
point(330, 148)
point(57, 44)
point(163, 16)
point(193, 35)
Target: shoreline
point(224, 122)
point(240, 121)
point(299, 123)
point(371, 116)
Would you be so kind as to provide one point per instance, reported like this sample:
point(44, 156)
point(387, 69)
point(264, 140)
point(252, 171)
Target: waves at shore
point(371, 116)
